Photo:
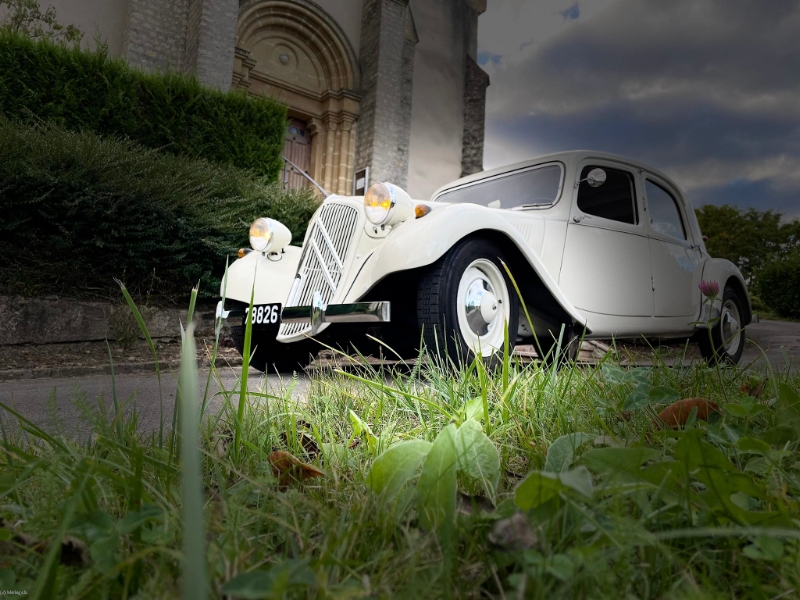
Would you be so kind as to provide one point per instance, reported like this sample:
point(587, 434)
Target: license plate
point(264, 315)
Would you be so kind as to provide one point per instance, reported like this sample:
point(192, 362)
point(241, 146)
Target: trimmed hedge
point(79, 210)
point(85, 90)
point(779, 286)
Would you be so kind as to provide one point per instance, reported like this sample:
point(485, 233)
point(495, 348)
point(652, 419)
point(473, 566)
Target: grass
point(592, 499)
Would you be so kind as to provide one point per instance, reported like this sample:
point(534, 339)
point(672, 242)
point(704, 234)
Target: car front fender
point(273, 276)
point(421, 242)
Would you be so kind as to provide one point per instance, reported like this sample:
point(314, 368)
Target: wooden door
point(297, 148)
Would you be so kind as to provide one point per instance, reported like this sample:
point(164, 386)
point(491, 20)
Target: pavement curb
point(90, 370)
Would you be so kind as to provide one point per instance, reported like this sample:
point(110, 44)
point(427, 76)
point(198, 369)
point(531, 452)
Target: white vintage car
point(599, 246)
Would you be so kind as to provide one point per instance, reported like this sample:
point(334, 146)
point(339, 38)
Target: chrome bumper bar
point(319, 313)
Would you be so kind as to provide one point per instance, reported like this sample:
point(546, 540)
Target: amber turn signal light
point(242, 252)
point(420, 210)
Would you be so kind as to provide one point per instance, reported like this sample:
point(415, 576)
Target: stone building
point(388, 85)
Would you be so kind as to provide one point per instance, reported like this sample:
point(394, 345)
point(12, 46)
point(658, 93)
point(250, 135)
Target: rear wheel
point(269, 355)
point(726, 343)
point(465, 301)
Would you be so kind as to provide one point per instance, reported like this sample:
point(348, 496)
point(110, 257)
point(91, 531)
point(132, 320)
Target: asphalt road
point(60, 404)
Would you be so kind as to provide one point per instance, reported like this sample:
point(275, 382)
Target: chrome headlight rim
point(262, 233)
point(387, 212)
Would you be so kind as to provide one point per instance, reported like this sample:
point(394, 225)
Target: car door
point(674, 254)
point(606, 264)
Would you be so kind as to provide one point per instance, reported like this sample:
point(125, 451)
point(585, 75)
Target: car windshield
point(535, 187)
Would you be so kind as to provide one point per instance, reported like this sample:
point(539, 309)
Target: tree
point(26, 17)
point(750, 239)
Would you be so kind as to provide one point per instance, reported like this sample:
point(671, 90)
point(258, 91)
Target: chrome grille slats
point(324, 259)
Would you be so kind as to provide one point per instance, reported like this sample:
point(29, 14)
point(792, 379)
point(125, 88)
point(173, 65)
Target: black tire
point(723, 346)
point(437, 309)
point(269, 355)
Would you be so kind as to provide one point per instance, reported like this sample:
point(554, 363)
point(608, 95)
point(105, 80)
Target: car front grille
point(324, 259)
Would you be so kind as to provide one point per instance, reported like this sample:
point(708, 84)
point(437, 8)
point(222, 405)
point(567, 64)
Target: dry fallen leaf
point(756, 390)
point(287, 468)
point(513, 534)
point(677, 413)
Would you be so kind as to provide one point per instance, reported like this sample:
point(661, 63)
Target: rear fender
point(273, 276)
point(725, 273)
point(420, 242)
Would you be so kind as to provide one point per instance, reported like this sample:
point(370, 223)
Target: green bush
point(779, 286)
point(85, 90)
point(79, 210)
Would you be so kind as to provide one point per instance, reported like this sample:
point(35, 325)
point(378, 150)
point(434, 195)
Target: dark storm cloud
point(706, 90)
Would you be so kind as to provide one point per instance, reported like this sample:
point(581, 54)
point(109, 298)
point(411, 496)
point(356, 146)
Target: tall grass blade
point(138, 316)
point(248, 335)
point(192, 517)
point(118, 416)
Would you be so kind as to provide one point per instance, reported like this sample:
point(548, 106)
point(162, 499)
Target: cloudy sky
point(706, 90)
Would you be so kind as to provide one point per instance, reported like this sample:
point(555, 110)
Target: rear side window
point(665, 216)
point(535, 187)
point(615, 200)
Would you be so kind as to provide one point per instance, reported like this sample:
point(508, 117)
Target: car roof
point(571, 156)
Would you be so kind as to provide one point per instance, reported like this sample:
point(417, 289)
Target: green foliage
point(779, 286)
point(79, 210)
point(85, 90)
point(710, 509)
point(27, 18)
point(749, 239)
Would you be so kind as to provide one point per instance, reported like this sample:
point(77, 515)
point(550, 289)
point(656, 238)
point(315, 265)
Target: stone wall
point(386, 55)
point(193, 36)
point(58, 320)
point(474, 118)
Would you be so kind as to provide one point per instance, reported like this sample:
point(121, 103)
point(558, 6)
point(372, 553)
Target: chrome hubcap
point(482, 306)
point(730, 327)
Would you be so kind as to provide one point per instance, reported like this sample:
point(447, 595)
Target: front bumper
point(319, 313)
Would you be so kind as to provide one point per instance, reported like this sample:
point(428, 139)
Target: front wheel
point(726, 342)
point(465, 301)
point(269, 355)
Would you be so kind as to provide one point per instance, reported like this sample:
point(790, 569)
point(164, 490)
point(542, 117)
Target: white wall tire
point(465, 301)
point(727, 333)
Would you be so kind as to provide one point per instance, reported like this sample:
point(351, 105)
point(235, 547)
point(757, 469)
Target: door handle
point(577, 218)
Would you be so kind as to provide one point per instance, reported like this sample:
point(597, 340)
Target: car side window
point(615, 199)
point(665, 217)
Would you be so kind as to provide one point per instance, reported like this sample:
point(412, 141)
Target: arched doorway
point(297, 54)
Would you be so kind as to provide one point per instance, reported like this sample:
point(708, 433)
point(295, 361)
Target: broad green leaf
point(561, 453)
point(138, 518)
point(661, 394)
point(477, 456)
point(612, 374)
point(638, 398)
point(272, 583)
point(536, 489)
point(436, 487)
point(736, 410)
point(392, 469)
point(764, 548)
point(605, 461)
point(787, 407)
point(578, 479)
point(748, 444)
point(253, 585)
point(638, 376)
point(472, 409)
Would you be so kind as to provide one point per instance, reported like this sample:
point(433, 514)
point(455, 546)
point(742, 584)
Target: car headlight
point(387, 204)
point(269, 235)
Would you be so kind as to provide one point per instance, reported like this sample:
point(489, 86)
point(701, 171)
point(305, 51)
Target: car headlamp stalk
point(387, 204)
point(269, 235)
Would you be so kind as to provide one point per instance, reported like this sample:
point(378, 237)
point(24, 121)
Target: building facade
point(388, 87)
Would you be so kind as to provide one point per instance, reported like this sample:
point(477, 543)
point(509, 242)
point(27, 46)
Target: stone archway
point(297, 54)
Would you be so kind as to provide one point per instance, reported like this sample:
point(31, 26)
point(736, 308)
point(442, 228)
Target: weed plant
point(579, 492)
